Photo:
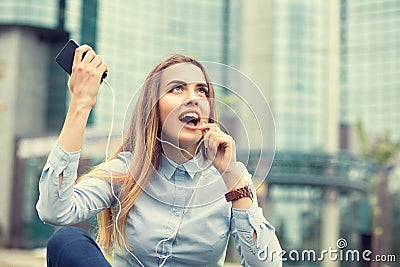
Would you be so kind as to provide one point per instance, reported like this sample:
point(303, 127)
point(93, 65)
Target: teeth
point(191, 114)
point(190, 117)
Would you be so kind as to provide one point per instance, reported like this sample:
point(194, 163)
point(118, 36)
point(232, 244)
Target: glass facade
point(32, 229)
point(299, 87)
point(299, 70)
point(370, 74)
point(133, 36)
point(26, 12)
point(144, 32)
point(299, 228)
point(299, 73)
point(370, 78)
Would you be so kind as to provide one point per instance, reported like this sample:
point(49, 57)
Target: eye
point(177, 88)
point(203, 91)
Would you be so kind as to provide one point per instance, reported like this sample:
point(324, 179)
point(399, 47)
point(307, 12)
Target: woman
point(160, 198)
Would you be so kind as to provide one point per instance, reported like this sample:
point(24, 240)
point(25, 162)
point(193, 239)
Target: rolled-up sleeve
point(265, 249)
point(69, 203)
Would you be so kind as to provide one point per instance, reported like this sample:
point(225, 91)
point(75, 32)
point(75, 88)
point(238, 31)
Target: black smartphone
point(65, 57)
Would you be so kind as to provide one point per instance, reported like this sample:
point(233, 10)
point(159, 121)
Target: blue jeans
point(71, 246)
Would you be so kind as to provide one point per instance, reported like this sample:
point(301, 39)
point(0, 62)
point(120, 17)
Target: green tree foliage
point(383, 150)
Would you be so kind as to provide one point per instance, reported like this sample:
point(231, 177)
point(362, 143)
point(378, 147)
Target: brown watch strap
point(239, 193)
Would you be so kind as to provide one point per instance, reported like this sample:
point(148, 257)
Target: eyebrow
point(185, 83)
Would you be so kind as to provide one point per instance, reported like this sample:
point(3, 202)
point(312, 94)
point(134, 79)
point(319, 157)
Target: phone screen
point(65, 57)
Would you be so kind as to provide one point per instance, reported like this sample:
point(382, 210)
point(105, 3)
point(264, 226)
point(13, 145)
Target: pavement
point(22, 258)
point(37, 258)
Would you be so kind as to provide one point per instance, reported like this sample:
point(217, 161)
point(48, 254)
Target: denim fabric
point(71, 246)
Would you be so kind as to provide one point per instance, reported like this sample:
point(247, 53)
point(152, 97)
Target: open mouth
point(190, 118)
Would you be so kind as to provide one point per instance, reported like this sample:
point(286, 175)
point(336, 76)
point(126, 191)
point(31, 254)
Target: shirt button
point(64, 162)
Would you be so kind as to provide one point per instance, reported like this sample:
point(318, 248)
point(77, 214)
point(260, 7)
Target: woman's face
point(183, 104)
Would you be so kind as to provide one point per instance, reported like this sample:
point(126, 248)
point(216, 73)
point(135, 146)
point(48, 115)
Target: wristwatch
point(239, 193)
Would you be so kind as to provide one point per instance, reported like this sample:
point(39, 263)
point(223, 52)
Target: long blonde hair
point(140, 139)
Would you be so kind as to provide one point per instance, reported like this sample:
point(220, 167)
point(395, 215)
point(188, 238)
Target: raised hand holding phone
point(86, 74)
point(86, 70)
point(65, 57)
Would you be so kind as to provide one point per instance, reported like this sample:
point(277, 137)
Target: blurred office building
point(324, 65)
point(370, 95)
point(32, 101)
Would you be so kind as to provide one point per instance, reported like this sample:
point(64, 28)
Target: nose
point(191, 102)
point(191, 98)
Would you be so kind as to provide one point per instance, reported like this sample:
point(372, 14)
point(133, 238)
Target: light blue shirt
point(185, 199)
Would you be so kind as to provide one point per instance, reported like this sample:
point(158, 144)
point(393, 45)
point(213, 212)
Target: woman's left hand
point(221, 150)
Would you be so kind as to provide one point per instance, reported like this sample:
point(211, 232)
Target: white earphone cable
point(111, 175)
point(187, 206)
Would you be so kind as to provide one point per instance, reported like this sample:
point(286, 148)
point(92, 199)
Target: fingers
point(206, 126)
point(213, 140)
point(86, 75)
point(79, 54)
point(97, 63)
point(103, 67)
point(219, 146)
point(89, 56)
point(86, 59)
point(214, 137)
point(215, 144)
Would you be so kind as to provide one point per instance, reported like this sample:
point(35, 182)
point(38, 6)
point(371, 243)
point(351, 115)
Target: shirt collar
point(191, 166)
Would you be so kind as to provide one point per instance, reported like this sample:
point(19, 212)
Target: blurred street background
point(329, 69)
